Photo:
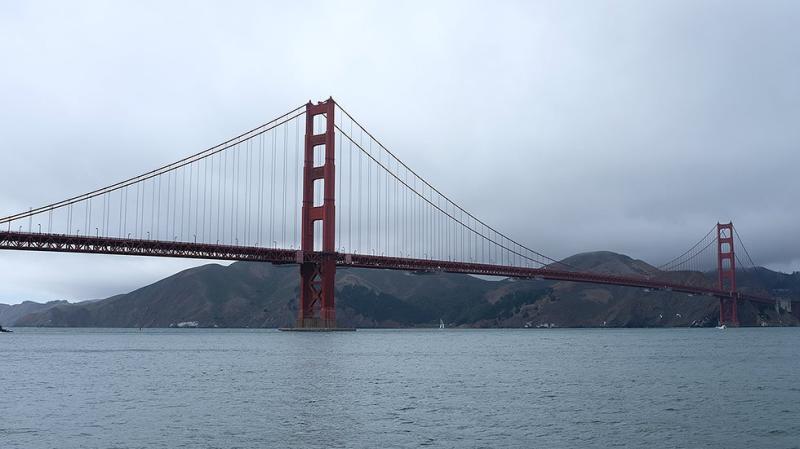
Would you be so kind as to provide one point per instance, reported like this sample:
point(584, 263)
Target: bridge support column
point(318, 268)
point(726, 270)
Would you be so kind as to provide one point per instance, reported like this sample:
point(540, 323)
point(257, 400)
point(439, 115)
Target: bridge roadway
point(29, 241)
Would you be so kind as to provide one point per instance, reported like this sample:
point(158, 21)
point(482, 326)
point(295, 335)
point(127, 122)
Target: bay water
point(544, 388)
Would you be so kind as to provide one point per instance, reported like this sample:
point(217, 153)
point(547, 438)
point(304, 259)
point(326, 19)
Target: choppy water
point(81, 388)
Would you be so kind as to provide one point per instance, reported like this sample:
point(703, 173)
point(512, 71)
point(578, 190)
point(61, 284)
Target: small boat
point(722, 327)
point(441, 324)
point(2, 329)
point(189, 324)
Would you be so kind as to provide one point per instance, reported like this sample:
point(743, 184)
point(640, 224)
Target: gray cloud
point(621, 125)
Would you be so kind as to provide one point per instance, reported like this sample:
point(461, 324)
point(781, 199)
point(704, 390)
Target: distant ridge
point(608, 262)
point(247, 294)
point(10, 313)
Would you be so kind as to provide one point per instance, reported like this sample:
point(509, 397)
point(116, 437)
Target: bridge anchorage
point(247, 198)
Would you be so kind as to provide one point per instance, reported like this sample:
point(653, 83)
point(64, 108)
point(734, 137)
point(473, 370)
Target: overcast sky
point(630, 126)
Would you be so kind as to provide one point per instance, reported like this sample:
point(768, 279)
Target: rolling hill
point(248, 294)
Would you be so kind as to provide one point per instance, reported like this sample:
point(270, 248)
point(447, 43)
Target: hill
point(248, 294)
point(11, 313)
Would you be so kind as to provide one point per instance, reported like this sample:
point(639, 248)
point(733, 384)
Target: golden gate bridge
point(314, 188)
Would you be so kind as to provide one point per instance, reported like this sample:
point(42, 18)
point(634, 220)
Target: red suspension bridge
point(314, 188)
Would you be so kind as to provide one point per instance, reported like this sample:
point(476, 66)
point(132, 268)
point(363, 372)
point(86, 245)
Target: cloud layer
point(621, 125)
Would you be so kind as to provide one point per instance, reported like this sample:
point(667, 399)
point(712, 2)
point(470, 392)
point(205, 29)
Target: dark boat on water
point(5, 330)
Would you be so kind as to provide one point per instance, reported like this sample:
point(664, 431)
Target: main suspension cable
point(434, 189)
point(280, 120)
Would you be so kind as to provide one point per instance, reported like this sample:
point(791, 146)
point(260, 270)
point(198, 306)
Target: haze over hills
point(247, 294)
point(9, 314)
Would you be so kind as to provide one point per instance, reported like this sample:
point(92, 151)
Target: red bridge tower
point(317, 277)
point(726, 269)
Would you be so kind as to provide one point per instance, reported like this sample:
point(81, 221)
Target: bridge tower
point(726, 270)
point(317, 276)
